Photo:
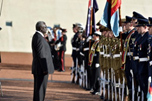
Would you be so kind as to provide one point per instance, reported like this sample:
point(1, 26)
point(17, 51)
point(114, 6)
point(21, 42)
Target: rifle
point(76, 70)
point(132, 85)
point(72, 73)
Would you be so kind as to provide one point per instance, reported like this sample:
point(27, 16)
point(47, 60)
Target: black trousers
point(94, 79)
point(40, 84)
point(55, 59)
point(61, 54)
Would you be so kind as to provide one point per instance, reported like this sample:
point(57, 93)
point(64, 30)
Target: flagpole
point(120, 25)
point(1, 7)
point(90, 28)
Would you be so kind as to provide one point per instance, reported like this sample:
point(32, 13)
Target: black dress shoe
point(72, 81)
point(95, 93)
point(102, 97)
point(87, 89)
point(60, 70)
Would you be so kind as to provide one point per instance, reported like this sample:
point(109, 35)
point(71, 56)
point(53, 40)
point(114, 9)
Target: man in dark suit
point(42, 64)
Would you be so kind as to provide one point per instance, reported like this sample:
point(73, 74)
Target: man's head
point(63, 31)
point(142, 26)
point(123, 25)
point(75, 28)
point(111, 35)
point(96, 35)
point(41, 26)
point(134, 22)
point(129, 25)
point(135, 17)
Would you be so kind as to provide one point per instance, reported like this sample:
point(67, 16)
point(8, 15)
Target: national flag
point(110, 16)
point(92, 9)
point(149, 94)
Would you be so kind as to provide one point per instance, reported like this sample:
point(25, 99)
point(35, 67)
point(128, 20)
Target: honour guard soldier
point(62, 50)
point(94, 62)
point(86, 54)
point(74, 52)
point(56, 44)
point(142, 51)
point(150, 46)
point(150, 58)
point(127, 54)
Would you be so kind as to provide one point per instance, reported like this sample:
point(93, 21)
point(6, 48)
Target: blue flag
point(149, 94)
point(110, 18)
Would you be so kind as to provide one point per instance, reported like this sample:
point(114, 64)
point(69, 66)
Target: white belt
point(73, 48)
point(81, 54)
point(104, 55)
point(136, 57)
point(150, 63)
point(108, 55)
point(85, 49)
point(143, 59)
point(101, 53)
point(77, 49)
point(101, 46)
point(129, 53)
point(120, 53)
point(116, 55)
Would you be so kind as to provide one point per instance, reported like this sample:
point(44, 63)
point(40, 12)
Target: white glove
point(89, 38)
point(149, 79)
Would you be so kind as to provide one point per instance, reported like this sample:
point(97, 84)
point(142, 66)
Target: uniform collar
point(144, 34)
point(40, 33)
point(130, 30)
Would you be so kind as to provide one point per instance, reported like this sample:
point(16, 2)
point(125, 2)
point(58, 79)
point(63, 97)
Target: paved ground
point(17, 85)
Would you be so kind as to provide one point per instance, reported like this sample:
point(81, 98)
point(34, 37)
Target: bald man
point(42, 64)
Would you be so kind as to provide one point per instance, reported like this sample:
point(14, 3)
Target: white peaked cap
point(97, 33)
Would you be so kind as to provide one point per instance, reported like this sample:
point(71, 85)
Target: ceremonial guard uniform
point(94, 63)
point(143, 60)
point(62, 50)
point(127, 54)
point(56, 45)
point(116, 49)
point(89, 74)
point(74, 49)
point(149, 98)
point(101, 59)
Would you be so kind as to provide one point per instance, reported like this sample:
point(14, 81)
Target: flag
point(110, 16)
point(149, 94)
point(92, 9)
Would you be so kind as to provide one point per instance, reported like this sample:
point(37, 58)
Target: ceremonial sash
point(125, 50)
point(92, 52)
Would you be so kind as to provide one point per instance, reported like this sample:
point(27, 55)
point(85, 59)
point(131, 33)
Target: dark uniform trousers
point(87, 67)
point(61, 54)
point(40, 84)
point(143, 64)
point(94, 79)
point(128, 67)
point(95, 70)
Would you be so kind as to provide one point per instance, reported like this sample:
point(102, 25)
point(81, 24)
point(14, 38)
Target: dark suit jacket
point(42, 57)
